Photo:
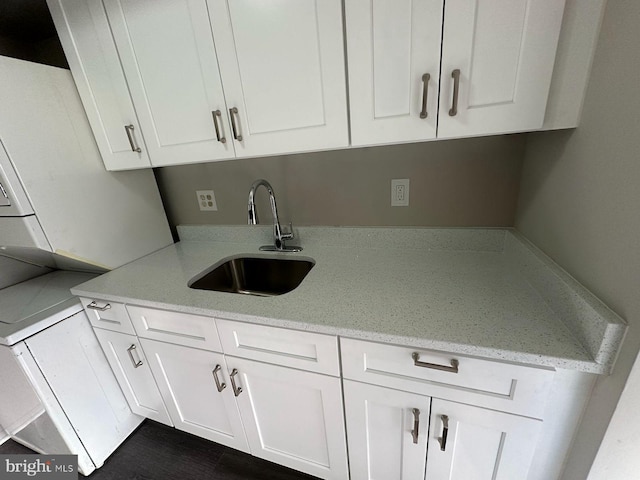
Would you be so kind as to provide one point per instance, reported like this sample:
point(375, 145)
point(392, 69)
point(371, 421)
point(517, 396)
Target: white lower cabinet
point(278, 394)
point(387, 431)
point(483, 417)
point(292, 417)
point(393, 435)
point(472, 443)
point(191, 382)
point(132, 371)
point(259, 405)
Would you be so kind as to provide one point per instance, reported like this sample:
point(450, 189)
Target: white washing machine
point(58, 394)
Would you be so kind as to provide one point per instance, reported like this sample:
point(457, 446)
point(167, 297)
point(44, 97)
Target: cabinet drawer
point(175, 327)
point(497, 385)
point(108, 315)
point(314, 352)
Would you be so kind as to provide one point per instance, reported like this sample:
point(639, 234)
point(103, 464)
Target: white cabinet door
point(86, 37)
point(381, 428)
point(504, 51)
point(480, 444)
point(393, 51)
point(169, 59)
point(132, 371)
point(293, 418)
point(282, 65)
point(187, 379)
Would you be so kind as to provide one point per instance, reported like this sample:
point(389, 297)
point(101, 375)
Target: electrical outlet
point(206, 200)
point(400, 192)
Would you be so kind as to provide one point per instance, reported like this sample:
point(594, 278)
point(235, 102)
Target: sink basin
point(262, 276)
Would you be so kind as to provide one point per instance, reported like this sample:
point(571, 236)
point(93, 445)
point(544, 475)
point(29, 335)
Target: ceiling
point(25, 20)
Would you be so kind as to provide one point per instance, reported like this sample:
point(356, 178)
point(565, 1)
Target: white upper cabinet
point(393, 53)
point(90, 50)
point(282, 66)
point(489, 67)
point(169, 59)
point(168, 82)
point(497, 63)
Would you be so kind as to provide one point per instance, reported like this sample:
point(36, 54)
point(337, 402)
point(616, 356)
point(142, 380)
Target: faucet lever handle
point(289, 235)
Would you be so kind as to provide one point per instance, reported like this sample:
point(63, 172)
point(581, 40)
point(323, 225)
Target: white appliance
point(59, 207)
point(58, 394)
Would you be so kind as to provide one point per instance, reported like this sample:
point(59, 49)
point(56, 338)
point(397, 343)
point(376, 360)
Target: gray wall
point(580, 203)
point(471, 182)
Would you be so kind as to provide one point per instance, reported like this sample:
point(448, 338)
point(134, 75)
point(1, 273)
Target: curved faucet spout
point(252, 218)
point(253, 215)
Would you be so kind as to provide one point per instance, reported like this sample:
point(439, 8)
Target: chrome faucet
point(278, 236)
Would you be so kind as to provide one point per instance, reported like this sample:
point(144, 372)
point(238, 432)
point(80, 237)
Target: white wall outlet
point(206, 200)
point(400, 192)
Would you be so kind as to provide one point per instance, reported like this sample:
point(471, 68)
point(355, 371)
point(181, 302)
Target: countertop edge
point(530, 359)
point(598, 328)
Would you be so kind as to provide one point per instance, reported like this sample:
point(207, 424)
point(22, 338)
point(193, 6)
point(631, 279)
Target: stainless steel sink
point(262, 276)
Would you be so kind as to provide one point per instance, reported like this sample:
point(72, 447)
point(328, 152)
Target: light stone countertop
point(480, 292)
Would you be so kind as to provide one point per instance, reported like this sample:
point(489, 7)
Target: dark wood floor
point(157, 452)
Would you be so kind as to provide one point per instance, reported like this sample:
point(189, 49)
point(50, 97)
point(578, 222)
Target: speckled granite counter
point(482, 292)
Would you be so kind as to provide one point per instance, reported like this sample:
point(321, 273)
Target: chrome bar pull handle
point(445, 432)
point(425, 94)
point(236, 390)
point(416, 424)
point(232, 113)
point(133, 360)
point(434, 366)
point(132, 140)
point(456, 87)
point(94, 306)
point(217, 115)
point(220, 386)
